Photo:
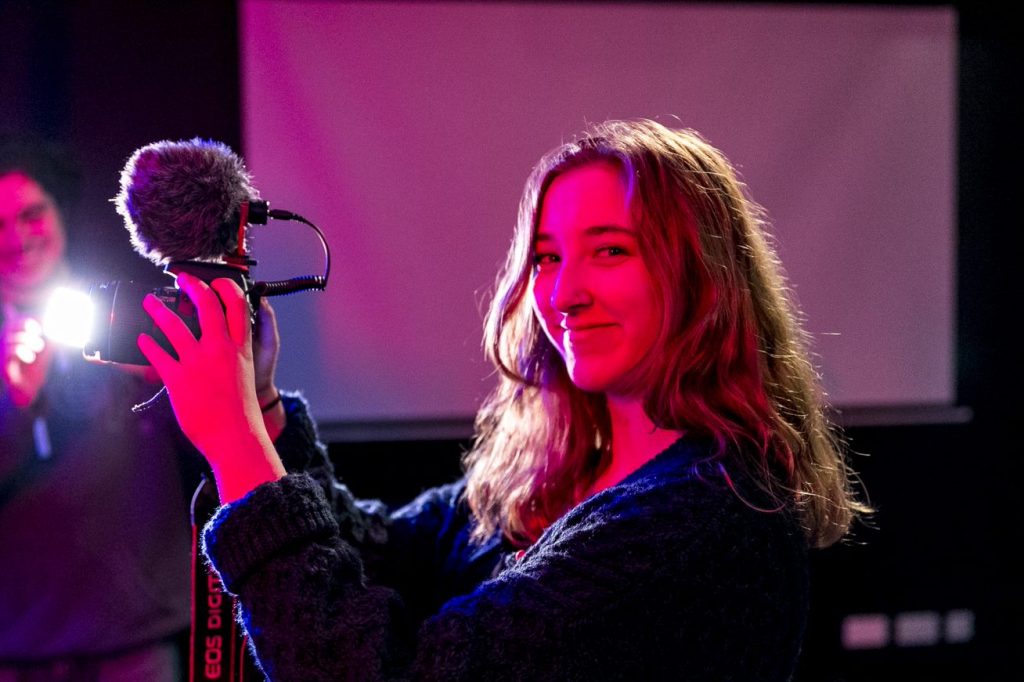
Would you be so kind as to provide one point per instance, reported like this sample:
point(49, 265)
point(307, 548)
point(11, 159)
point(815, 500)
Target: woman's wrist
point(274, 416)
point(268, 397)
point(269, 406)
point(246, 469)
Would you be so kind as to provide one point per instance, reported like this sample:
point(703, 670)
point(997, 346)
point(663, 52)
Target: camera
point(187, 205)
point(119, 317)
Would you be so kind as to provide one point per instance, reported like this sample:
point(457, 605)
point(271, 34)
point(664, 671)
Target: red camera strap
point(218, 649)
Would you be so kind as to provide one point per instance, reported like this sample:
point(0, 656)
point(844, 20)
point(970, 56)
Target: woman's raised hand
point(265, 346)
point(212, 384)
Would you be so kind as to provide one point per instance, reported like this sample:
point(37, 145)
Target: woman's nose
point(571, 291)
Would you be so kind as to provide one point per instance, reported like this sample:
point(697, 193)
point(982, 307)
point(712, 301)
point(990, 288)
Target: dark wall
point(106, 78)
point(107, 82)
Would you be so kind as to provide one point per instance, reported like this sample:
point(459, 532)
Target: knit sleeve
point(302, 587)
point(421, 548)
point(627, 585)
point(362, 523)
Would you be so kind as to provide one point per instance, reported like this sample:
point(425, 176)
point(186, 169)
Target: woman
point(644, 484)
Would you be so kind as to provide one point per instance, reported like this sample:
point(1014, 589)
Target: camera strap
point(218, 647)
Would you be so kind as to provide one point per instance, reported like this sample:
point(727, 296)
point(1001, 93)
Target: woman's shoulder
point(441, 503)
point(439, 515)
point(674, 538)
point(684, 475)
point(682, 499)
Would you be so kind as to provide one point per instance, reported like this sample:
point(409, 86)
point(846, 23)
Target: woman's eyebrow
point(592, 231)
point(597, 230)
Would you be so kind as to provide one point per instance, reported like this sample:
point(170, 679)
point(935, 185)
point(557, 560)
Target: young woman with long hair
point(645, 480)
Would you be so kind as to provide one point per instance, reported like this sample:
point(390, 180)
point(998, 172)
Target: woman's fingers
point(266, 343)
point(160, 359)
point(207, 303)
point(173, 327)
point(236, 310)
point(221, 307)
point(266, 325)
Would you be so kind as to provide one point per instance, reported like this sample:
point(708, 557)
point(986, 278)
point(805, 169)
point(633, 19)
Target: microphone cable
point(301, 283)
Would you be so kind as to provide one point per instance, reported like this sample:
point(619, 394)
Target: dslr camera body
point(119, 317)
point(188, 206)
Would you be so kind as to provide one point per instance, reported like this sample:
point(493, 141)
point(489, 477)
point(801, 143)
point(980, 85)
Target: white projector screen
point(405, 130)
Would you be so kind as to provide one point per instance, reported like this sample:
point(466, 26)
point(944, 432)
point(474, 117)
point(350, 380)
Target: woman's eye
point(541, 260)
point(611, 251)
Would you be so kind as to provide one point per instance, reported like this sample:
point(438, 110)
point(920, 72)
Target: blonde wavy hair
point(731, 364)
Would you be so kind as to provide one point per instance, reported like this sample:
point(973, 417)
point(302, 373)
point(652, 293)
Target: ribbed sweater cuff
point(298, 445)
point(244, 535)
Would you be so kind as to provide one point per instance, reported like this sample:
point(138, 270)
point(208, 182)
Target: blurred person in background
point(94, 515)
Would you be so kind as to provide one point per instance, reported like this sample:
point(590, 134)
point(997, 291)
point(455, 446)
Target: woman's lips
point(588, 337)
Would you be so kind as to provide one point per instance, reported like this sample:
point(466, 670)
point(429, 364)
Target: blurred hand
point(26, 357)
point(212, 384)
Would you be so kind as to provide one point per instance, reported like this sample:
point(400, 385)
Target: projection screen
point(405, 130)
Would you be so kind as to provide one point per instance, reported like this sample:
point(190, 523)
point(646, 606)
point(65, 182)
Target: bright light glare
point(25, 354)
point(28, 342)
point(68, 317)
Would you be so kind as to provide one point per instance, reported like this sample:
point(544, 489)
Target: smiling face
point(592, 292)
point(31, 236)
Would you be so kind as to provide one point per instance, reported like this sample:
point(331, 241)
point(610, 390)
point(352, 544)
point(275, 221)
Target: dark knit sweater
point(94, 537)
point(667, 575)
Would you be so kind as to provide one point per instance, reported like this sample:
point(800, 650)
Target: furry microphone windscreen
point(180, 200)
